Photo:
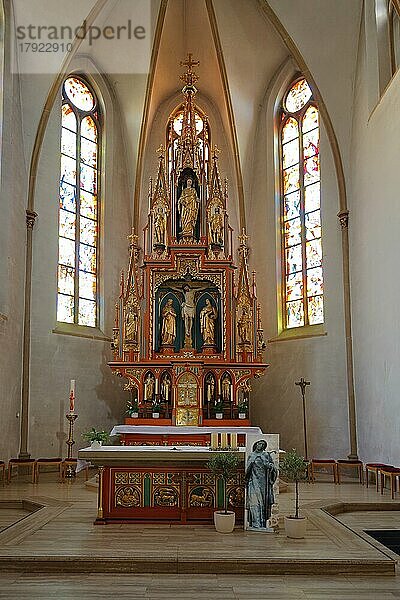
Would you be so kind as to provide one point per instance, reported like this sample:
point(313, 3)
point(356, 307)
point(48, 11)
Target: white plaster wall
point(12, 260)
point(374, 234)
point(277, 405)
point(57, 358)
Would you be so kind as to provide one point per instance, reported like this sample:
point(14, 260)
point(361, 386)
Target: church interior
point(187, 192)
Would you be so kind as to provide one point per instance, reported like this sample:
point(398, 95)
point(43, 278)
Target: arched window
point(394, 35)
point(302, 277)
point(78, 215)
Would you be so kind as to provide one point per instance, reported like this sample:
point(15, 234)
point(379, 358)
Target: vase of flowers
point(219, 409)
point(132, 408)
point(156, 409)
point(243, 408)
point(95, 437)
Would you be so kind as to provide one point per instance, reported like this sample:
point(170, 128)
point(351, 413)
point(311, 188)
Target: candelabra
point(70, 471)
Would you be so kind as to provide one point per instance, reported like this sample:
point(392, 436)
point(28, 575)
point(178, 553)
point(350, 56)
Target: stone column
point(23, 446)
point(344, 223)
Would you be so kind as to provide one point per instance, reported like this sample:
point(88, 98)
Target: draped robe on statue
point(261, 475)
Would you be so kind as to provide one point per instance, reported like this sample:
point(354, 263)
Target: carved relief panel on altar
point(187, 400)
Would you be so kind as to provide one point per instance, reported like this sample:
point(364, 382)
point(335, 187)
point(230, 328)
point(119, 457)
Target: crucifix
point(189, 62)
point(303, 384)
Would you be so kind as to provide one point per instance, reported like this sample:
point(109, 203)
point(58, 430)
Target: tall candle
point(72, 396)
point(214, 440)
point(72, 386)
point(233, 440)
point(224, 440)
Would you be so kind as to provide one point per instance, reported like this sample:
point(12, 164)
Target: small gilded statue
point(208, 316)
point(245, 326)
point(168, 329)
point(226, 389)
point(149, 388)
point(188, 312)
point(188, 206)
point(131, 322)
point(160, 225)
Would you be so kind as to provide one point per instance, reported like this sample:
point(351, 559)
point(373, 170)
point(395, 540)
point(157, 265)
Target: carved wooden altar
point(188, 334)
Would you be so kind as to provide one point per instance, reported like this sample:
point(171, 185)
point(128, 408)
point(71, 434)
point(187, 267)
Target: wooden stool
point(374, 468)
point(329, 462)
point(393, 473)
point(73, 462)
point(21, 462)
point(48, 461)
point(352, 464)
point(3, 468)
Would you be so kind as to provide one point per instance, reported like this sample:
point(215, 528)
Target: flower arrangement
point(243, 406)
point(95, 436)
point(132, 407)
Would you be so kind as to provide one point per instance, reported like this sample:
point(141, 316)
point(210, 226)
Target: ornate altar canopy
point(188, 334)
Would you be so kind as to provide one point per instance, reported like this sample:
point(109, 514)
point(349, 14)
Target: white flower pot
point(219, 415)
point(156, 415)
point(295, 528)
point(135, 415)
point(224, 523)
point(95, 445)
point(242, 415)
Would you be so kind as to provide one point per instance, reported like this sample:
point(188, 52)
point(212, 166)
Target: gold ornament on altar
point(168, 330)
point(215, 218)
point(208, 316)
point(188, 206)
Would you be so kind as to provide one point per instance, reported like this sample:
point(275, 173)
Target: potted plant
point(224, 465)
point(294, 469)
point(96, 438)
point(132, 408)
point(243, 407)
point(219, 409)
point(156, 409)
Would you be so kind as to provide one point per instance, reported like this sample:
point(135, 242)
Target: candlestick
point(72, 386)
point(71, 402)
point(70, 470)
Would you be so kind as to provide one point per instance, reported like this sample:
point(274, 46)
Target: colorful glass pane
point(311, 170)
point(66, 252)
point(313, 225)
point(68, 169)
point(298, 96)
point(290, 153)
point(290, 130)
point(314, 254)
point(67, 197)
point(178, 121)
point(291, 179)
point(88, 205)
point(89, 129)
point(291, 205)
point(66, 280)
point(87, 258)
point(89, 152)
point(314, 282)
point(68, 142)
point(310, 119)
point(88, 231)
point(316, 310)
point(311, 143)
point(293, 232)
point(294, 286)
point(295, 313)
point(65, 308)
point(88, 179)
point(294, 259)
point(68, 118)
point(312, 197)
point(87, 285)
point(67, 224)
point(79, 94)
point(87, 313)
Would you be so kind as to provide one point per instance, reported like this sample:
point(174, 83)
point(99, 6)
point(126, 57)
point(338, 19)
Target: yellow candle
point(214, 440)
point(224, 440)
point(233, 440)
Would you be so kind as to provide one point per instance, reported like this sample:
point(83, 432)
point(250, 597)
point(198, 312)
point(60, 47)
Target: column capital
point(343, 216)
point(30, 219)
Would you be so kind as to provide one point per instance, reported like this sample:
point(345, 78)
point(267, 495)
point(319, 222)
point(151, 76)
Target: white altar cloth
point(169, 429)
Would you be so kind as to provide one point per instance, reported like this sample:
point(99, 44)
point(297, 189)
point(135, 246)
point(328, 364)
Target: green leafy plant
point(294, 468)
point(243, 406)
point(156, 406)
point(219, 406)
point(132, 407)
point(224, 465)
point(95, 436)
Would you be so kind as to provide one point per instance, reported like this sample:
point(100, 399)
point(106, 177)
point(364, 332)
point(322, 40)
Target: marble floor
point(64, 529)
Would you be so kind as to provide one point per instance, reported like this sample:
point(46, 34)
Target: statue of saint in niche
point(208, 316)
point(245, 326)
point(210, 390)
point(188, 207)
point(168, 328)
point(160, 225)
point(149, 388)
point(226, 389)
point(188, 312)
point(131, 322)
point(215, 216)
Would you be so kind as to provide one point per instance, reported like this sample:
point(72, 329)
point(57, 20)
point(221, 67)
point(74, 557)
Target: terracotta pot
point(295, 528)
point(224, 523)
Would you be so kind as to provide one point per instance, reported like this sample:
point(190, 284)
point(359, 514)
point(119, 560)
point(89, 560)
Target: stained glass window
point(302, 272)
point(78, 213)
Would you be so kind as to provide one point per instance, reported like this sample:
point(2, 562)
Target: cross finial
point(303, 384)
point(189, 63)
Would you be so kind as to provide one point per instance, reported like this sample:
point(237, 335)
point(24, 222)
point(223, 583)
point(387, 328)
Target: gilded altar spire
point(188, 149)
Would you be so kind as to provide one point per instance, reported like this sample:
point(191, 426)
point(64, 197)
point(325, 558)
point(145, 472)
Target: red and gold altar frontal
point(188, 334)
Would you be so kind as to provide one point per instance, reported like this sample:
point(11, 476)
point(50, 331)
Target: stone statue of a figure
point(261, 474)
point(188, 207)
point(208, 316)
point(168, 328)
